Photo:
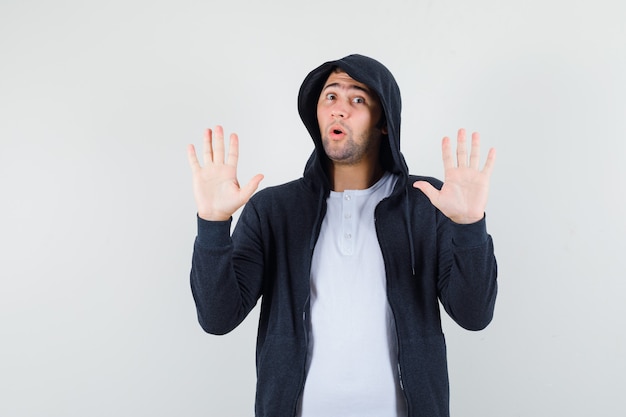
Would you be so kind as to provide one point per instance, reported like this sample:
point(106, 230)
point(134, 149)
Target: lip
point(336, 131)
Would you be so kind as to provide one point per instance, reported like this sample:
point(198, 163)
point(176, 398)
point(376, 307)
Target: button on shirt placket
point(347, 237)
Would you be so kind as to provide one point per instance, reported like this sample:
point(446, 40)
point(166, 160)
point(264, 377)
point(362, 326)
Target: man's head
point(378, 81)
point(350, 118)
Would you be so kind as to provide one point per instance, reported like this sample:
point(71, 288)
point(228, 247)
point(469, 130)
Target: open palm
point(463, 196)
point(215, 186)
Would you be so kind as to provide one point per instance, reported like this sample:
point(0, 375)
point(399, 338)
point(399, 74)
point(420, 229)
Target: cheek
point(367, 120)
point(320, 113)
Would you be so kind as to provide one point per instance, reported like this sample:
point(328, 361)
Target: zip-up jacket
point(428, 259)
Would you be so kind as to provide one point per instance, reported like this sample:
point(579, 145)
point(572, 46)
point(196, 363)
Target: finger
point(233, 150)
point(207, 152)
point(218, 145)
point(193, 158)
point(474, 161)
point(446, 152)
point(491, 160)
point(461, 149)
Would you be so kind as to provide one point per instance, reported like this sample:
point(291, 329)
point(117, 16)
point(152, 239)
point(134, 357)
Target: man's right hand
point(215, 186)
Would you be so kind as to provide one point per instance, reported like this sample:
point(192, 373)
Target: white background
point(98, 101)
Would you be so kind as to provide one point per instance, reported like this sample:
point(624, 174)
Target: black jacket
point(427, 259)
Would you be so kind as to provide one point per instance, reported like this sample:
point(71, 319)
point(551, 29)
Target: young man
point(351, 260)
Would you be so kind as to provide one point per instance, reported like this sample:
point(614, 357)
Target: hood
point(378, 78)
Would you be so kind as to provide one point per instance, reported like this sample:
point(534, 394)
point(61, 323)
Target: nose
point(338, 111)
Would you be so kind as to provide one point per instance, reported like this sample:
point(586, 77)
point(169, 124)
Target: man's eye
point(330, 96)
point(358, 100)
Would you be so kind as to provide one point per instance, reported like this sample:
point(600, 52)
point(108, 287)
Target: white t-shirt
point(352, 359)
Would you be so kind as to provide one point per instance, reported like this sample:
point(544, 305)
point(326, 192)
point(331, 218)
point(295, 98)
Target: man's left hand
point(463, 197)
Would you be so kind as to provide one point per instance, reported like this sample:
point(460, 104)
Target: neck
point(354, 177)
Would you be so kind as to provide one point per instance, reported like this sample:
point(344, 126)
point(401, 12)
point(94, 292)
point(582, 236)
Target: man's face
point(347, 113)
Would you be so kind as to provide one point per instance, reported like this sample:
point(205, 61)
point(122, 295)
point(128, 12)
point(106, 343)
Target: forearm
point(468, 275)
point(223, 299)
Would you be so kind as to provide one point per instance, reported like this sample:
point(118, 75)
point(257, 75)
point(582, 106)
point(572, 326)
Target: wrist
point(467, 220)
point(213, 217)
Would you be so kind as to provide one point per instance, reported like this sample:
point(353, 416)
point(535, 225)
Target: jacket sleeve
point(467, 273)
point(226, 272)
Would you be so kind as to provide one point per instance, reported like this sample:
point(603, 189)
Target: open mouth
point(336, 131)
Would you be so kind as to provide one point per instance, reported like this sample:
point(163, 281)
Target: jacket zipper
point(306, 354)
point(406, 400)
point(393, 313)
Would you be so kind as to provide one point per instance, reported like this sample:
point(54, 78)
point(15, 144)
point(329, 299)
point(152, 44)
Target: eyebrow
point(345, 86)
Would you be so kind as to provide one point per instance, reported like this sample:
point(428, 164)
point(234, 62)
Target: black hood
point(378, 78)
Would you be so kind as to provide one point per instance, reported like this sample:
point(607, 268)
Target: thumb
point(431, 192)
point(251, 187)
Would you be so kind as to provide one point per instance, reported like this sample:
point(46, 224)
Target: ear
point(384, 130)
